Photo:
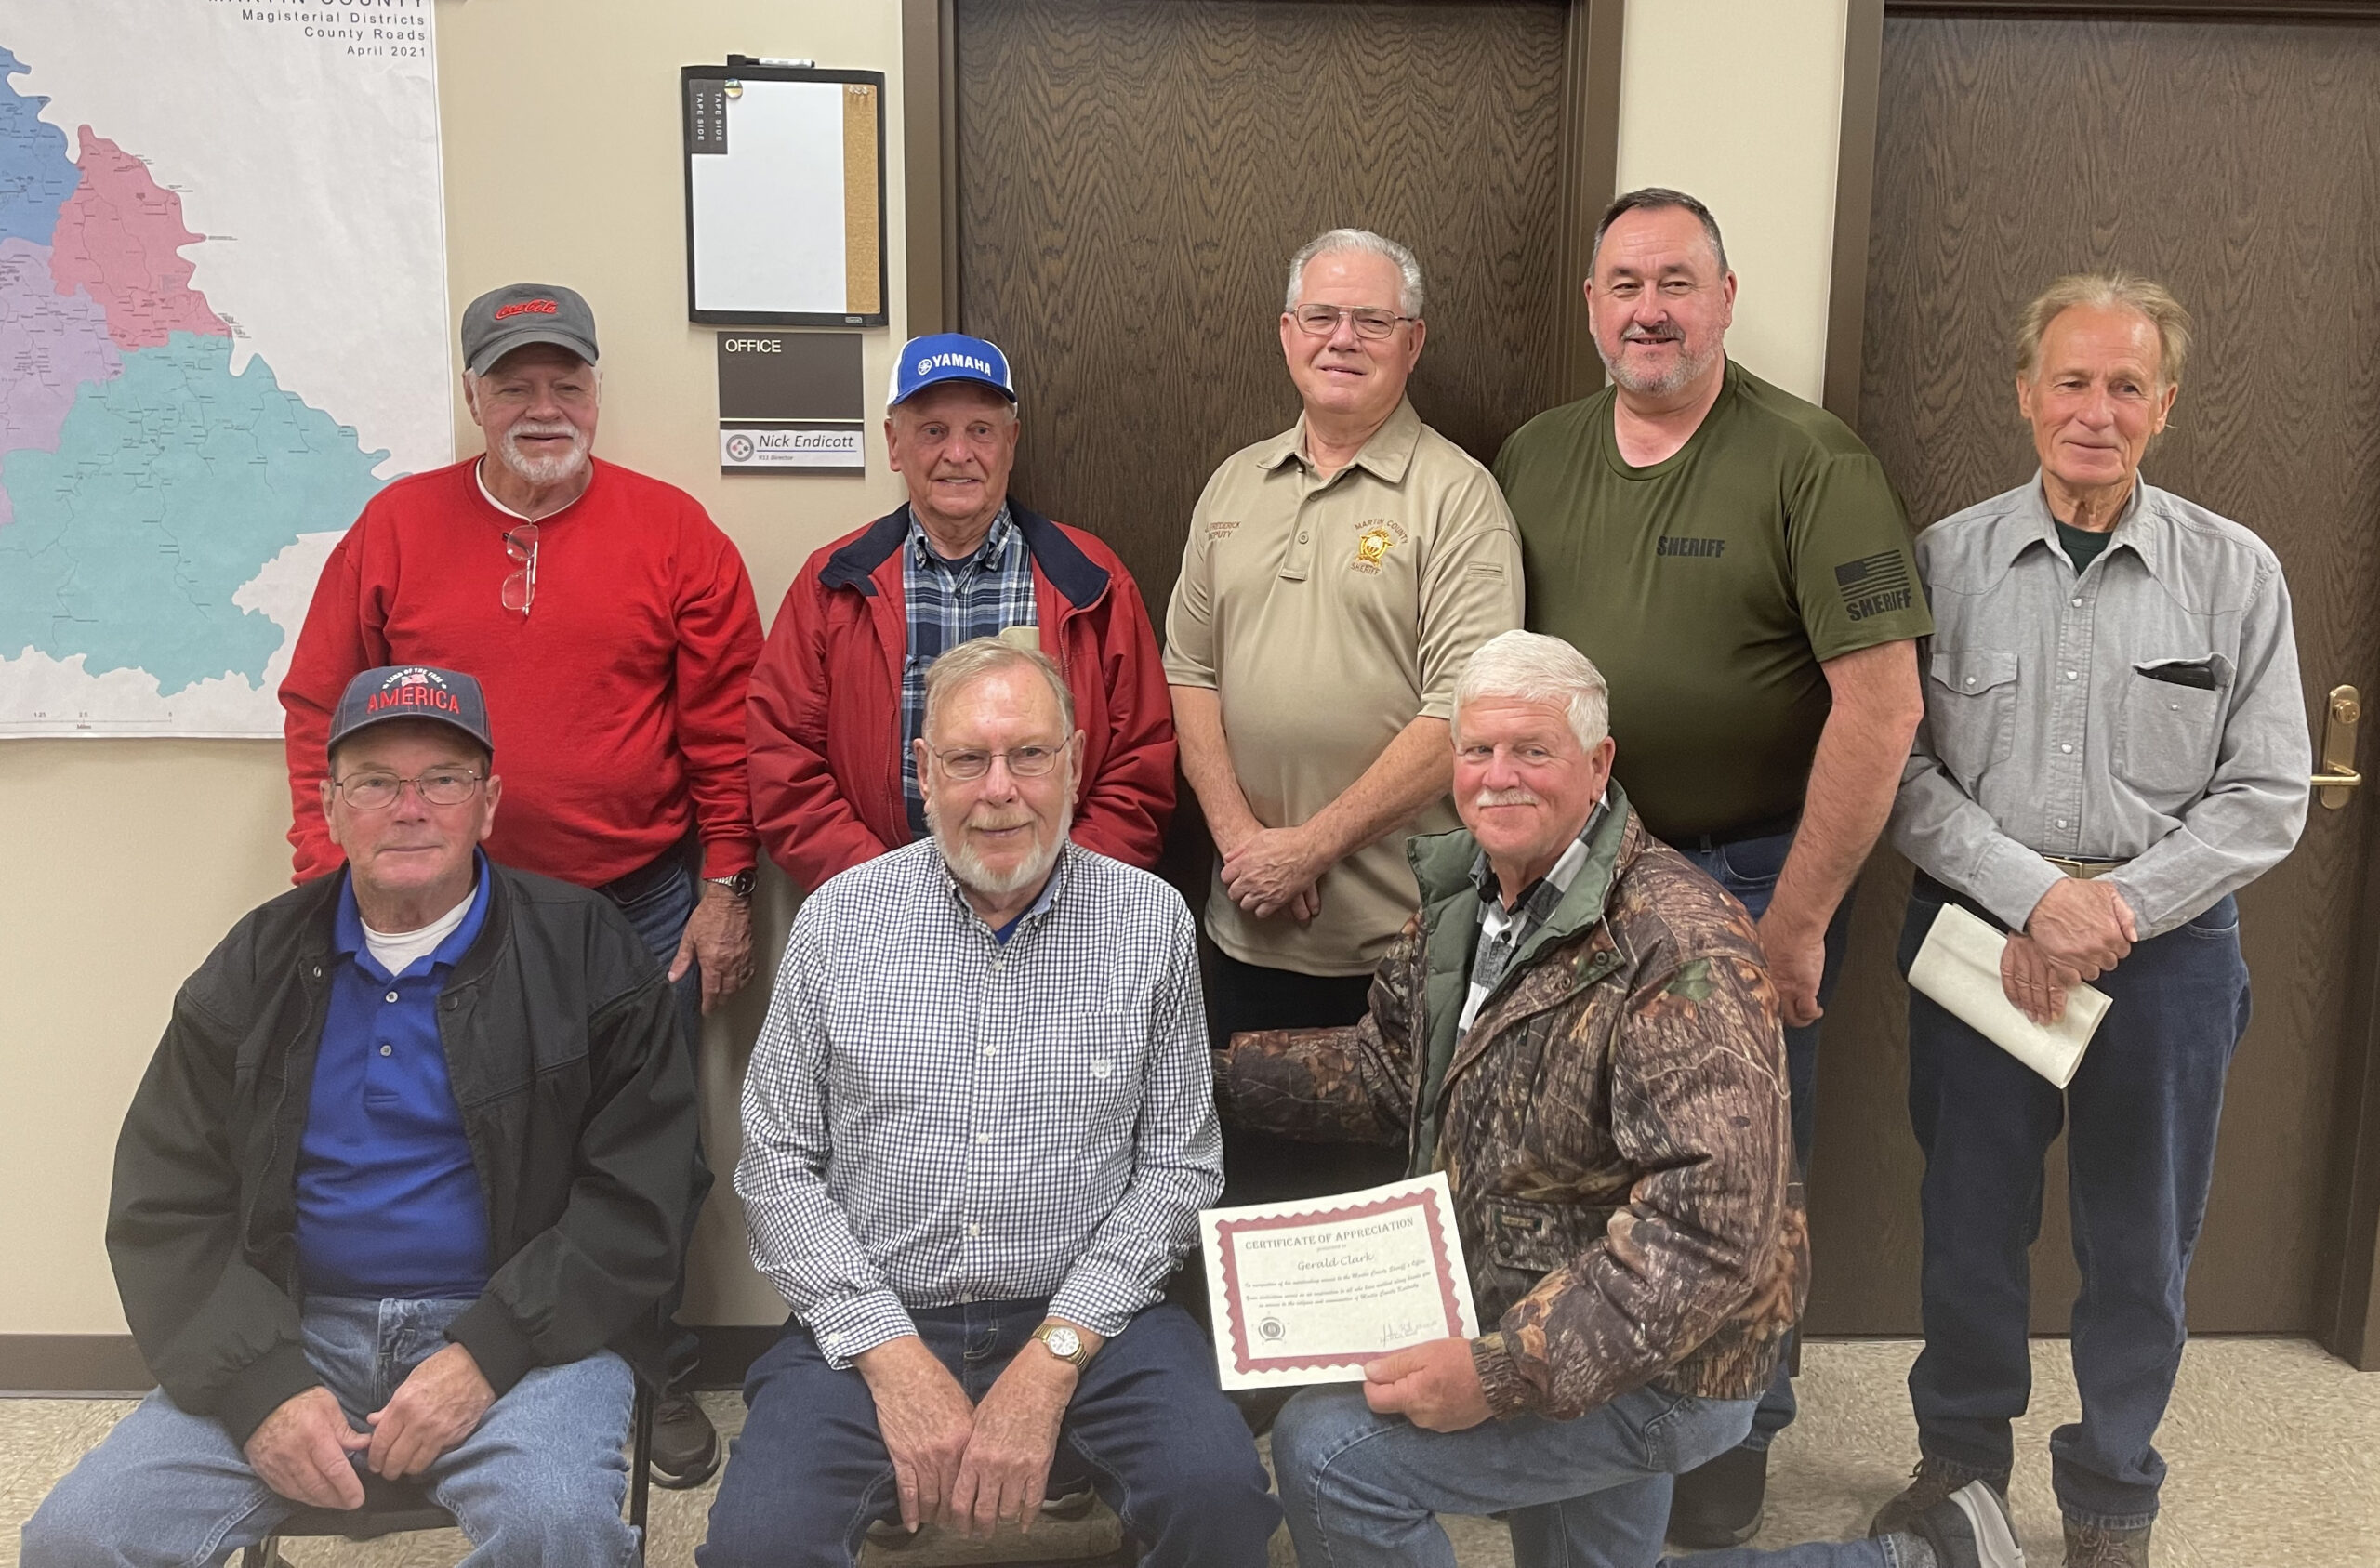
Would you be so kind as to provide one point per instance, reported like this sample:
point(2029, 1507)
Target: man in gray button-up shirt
point(978, 1128)
point(2147, 711)
point(2114, 742)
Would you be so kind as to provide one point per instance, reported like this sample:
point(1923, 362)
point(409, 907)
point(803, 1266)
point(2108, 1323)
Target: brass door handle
point(2339, 777)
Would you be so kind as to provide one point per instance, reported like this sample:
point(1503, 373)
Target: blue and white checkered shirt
point(933, 1116)
point(951, 602)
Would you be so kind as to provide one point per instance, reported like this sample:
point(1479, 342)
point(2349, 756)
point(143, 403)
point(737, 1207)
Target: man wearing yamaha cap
point(358, 1224)
point(614, 626)
point(838, 698)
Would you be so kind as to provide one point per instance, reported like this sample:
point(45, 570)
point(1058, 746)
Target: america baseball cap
point(949, 356)
point(507, 318)
point(412, 691)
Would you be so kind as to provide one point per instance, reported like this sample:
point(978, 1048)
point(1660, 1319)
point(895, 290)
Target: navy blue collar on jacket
point(1077, 578)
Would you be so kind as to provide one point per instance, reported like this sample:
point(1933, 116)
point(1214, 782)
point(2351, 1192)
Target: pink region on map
point(119, 239)
point(50, 345)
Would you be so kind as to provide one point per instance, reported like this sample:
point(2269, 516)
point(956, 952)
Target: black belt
point(654, 873)
point(1924, 886)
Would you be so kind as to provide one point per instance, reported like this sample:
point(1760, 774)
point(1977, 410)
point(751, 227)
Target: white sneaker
point(1971, 1528)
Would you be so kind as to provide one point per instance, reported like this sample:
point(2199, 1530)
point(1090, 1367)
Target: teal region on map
point(141, 482)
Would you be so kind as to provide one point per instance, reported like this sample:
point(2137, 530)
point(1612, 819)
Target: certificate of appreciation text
point(1307, 1292)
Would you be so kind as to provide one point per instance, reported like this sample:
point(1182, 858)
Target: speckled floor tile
point(2274, 1448)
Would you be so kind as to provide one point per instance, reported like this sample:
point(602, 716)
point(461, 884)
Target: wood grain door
point(1133, 177)
point(2239, 163)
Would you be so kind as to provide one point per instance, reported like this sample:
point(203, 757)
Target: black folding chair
point(399, 1508)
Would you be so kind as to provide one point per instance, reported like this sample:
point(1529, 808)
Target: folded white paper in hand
point(1959, 967)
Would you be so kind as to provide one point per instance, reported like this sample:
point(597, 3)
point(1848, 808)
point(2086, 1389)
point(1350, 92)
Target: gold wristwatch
point(1065, 1343)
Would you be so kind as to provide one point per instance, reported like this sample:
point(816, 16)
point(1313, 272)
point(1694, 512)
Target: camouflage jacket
point(1614, 1127)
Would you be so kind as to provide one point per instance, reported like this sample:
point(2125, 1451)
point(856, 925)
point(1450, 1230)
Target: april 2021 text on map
point(222, 328)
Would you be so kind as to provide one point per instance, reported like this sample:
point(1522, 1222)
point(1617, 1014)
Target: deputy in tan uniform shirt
point(1335, 579)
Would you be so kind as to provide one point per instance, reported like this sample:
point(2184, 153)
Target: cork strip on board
point(862, 272)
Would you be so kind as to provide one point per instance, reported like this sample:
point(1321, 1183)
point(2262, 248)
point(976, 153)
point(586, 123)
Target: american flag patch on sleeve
point(1875, 584)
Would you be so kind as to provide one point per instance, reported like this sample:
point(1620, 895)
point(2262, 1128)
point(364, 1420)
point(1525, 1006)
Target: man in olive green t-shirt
point(1736, 562)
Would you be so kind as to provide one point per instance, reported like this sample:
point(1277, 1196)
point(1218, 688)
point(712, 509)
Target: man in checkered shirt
point(978, 1128)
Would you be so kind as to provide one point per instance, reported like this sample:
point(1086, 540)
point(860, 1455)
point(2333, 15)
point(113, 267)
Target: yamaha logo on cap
point(949, 356)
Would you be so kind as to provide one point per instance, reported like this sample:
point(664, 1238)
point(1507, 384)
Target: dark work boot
point(1720, 1504)
point(1929, 1483)
point(2090, 1546)
point(685, 1446)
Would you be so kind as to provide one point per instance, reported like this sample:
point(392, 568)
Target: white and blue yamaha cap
point(947, 356)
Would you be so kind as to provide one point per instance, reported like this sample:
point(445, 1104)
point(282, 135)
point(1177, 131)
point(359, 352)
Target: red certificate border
point(1228, 1231)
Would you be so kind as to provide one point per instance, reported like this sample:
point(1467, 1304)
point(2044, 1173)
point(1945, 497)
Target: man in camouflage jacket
point(1577, 1028)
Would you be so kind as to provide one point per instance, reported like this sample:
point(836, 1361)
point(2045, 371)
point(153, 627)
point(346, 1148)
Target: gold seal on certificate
point(1308, 1292)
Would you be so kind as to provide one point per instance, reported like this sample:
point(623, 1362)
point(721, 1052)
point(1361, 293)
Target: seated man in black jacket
point(404, 1189)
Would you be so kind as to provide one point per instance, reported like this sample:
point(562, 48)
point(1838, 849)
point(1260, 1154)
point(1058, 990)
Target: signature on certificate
point(1396, 1332)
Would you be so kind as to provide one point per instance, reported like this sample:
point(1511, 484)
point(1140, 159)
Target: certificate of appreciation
point(1307, 1292)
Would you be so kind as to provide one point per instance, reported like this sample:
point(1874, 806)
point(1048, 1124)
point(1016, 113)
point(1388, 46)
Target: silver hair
point(2117, 290)
point(1410, 291)
point(1531, 667)
point(978, 657)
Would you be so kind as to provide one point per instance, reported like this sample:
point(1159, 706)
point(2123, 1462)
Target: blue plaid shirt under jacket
point(935, 1117)
point(951, 602)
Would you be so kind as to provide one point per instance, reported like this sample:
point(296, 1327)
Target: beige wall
point(126, 860)
point(1739, 102)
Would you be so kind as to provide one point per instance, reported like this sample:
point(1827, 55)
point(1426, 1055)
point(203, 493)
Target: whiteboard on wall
point(784, 195)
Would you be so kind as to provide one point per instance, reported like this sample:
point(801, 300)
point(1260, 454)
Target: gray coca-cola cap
point(518, 315)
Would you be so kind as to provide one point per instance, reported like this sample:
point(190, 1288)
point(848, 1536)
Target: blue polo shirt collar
point(347, 927)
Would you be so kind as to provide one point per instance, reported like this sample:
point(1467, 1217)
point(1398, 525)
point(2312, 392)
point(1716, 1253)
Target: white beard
point(973, 873)
point(543, 470)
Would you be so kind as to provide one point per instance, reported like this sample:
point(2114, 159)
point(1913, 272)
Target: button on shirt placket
point(1297, 563)
point(2071, 705)
point(983, 1101)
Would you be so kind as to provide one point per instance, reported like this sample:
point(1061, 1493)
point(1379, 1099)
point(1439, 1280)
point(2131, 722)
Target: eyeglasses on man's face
point(1321, 320)
point(965, 763)
point(376, 791)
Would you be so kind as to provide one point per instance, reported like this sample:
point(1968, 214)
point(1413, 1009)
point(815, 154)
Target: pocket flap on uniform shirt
point(1974, 669)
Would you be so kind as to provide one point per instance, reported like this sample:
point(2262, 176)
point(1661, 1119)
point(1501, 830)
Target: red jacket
point(823, 718)
point(616, 702)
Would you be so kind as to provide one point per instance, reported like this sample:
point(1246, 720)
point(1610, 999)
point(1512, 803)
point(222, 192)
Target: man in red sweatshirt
point(839, 694)
point(612, 628)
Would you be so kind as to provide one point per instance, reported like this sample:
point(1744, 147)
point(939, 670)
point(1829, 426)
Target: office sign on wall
point(790, 401)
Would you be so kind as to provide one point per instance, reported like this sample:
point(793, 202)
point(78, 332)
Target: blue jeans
point(1363, 1490)
point(1148, 1428)
point(539, 1483)
point(1885, 1552)
point(658, 905)
point(2141, 1116)
point(1748, 869)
